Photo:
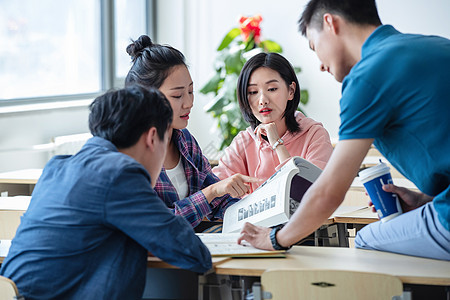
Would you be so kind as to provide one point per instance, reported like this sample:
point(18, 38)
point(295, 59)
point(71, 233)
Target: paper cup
point(386, 204)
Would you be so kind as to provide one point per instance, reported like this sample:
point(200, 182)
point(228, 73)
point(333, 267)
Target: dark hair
point(362, 12)
point(122, 116)
point(277, 63)
point(152, 63)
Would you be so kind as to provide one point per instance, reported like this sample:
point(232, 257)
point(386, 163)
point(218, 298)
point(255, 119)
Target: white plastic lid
point(373, 172)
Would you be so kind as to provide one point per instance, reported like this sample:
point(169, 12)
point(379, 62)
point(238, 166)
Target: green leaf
point(233, 62)
point(297, 70)
point(216, 105)
point(304, 97)
point(229, 37)
point(229, 86)
point(249, 45)
point(212, 85)
point(225, 143)
point(227, 130)
point(270, 46)
point(299, 109)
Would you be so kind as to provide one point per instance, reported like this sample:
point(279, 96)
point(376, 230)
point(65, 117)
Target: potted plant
point(238, 45)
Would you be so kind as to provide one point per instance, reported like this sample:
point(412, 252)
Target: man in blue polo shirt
point(94, 216)
point(395, 94)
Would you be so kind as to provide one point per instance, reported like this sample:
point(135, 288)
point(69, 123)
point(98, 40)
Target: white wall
point(201, 28)
point(20, 131)
point(196, 27)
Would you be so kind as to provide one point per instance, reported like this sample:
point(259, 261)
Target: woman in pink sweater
point(268, 94)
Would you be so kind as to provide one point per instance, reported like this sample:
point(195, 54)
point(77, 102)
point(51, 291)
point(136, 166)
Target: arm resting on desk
point(327, 193)
point(321, 199)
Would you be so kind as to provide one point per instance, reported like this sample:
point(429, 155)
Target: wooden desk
point(11, 209)
point(349, 223)
point(356, 194)
point(20, 182)
point(335, 231)
point(357, 216)
point(370, 161)
point(358, 186)
point(27, 176)
point(155, 262)
point(411, 270)
point(152, 261)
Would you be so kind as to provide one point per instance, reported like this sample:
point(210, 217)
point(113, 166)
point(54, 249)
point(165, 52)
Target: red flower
point(250, 25)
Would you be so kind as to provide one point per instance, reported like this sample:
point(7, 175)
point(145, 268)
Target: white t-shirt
point(178, 179)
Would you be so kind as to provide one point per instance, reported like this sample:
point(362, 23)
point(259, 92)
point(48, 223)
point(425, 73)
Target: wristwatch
point(273, 239)
point(278, 142)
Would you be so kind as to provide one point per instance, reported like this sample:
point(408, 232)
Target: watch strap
point(273, 239)
point(277, 143)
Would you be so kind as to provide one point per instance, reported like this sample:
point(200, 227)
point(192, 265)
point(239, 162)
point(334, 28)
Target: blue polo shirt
point(92, 219)
point(399, 94)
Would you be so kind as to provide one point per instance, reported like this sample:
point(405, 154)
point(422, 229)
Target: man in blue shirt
point(395, 94)
point(94, 216)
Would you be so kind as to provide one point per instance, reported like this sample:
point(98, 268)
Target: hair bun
point(135, 48)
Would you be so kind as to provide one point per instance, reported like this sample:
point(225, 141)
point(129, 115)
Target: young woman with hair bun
point(186, 183)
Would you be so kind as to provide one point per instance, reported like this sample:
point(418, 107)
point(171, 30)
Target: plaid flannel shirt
point(198, 175)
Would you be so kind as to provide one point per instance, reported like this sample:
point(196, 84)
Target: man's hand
point(409, 200)
point(257, 236)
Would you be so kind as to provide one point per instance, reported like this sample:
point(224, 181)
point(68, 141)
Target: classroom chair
point(8, 290)
point(327, 284)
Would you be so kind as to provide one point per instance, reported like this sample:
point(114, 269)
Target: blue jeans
point(418, 233)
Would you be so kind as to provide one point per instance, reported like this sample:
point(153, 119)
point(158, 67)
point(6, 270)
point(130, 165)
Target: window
point(130, 23)
point(54, 49)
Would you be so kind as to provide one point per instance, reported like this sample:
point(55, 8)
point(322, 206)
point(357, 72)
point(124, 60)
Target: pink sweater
point(248, 156)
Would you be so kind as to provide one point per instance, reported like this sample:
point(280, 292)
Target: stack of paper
point(225, 244)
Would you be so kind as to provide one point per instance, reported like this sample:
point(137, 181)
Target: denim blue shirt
point(398, 94)
point(92, 219)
